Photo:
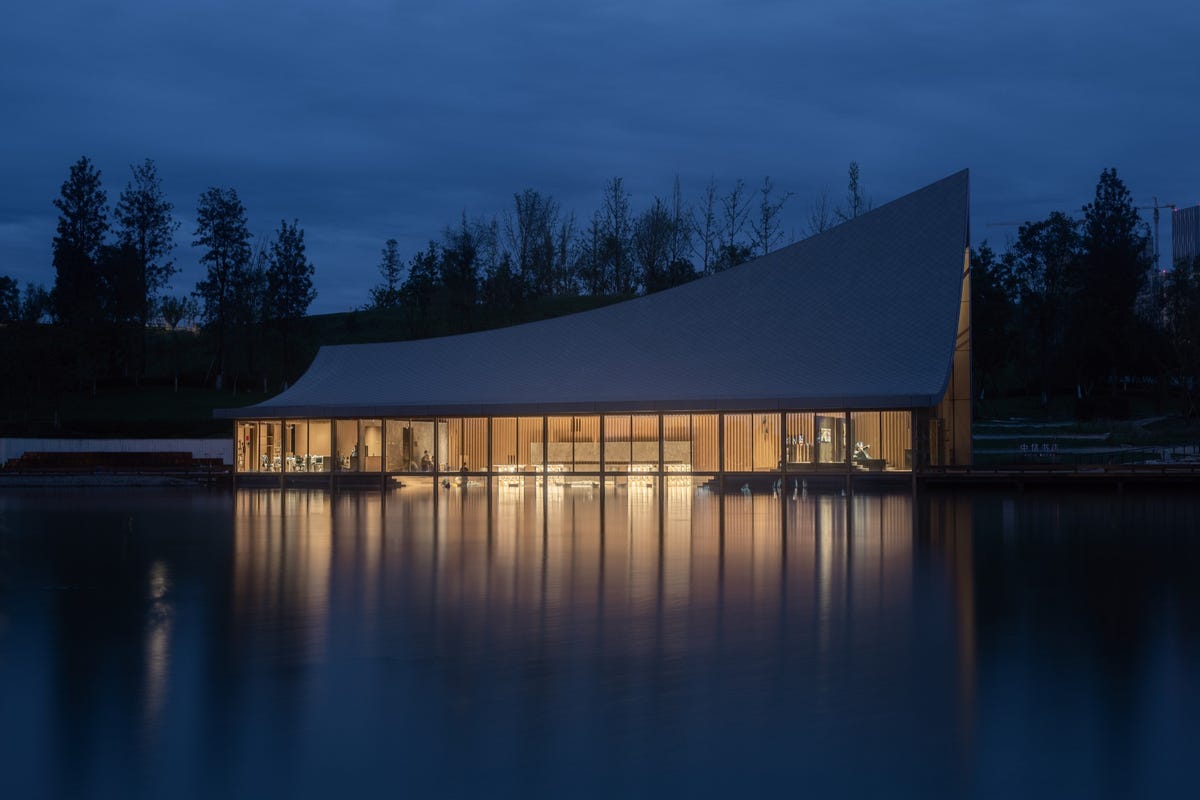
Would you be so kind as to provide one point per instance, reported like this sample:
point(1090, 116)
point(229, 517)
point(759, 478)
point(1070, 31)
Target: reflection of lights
point(641, 477)
point(678, 481)
point(157, 644)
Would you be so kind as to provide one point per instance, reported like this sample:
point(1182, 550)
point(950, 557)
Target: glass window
point(346, 444)
point(706, 449)
point(529, 443)
point(882, 440)
point(474, 438)
point(370, 446)
point(408, 445)
point(504, 444)
point(452, 454)
point(560, 449)
point(739, 442)
point(767, 440)
point(586, 434)
point(798, 443)
point(618, 443)
point(295, 444)
point(829, 443)
point(644, 450)
point(318, 451)
point(677, 443)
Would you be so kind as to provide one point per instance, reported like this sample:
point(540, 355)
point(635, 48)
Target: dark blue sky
point(368, 119)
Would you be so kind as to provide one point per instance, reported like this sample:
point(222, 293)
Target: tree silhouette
point(146, 233)
point(78, 242)
point(221, 231)
point(1112, 267)
point(391, 266)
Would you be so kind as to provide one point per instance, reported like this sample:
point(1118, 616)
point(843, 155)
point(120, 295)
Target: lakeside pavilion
point(846, 355)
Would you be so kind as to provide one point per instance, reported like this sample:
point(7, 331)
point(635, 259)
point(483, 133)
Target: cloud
point(371, 120)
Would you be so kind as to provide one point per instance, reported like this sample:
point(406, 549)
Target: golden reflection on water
point(658, 570)
point(283, 548)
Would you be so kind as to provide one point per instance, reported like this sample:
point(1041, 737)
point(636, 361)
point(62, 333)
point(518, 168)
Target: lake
point(178, 643)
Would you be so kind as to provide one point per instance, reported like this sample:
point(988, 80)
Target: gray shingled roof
point(861, 316)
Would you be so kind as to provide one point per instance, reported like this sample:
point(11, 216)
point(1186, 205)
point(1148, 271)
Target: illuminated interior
point(578, 451)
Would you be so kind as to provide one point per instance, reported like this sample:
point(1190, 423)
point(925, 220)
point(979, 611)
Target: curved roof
point(861, 316)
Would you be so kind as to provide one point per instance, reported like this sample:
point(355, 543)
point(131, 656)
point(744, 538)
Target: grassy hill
point(152, 383)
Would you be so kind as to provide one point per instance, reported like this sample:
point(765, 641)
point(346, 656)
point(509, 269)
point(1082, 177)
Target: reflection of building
point(845, 353)
point(1185, 234)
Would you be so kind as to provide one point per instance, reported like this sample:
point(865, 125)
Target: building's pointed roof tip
point(863, 315)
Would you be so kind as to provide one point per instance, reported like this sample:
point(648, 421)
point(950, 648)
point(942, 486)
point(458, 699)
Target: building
point(846, 354)
point(1185, 234)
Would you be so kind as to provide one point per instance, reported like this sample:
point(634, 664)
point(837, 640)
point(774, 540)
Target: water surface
point(195, 644)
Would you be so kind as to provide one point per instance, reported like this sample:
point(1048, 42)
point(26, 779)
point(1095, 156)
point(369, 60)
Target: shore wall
point(199, 448)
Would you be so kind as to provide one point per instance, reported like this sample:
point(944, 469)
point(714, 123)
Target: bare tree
point(857, 203)
point(617, 242)
point(821, 215)
point(705, 225)
point(735, 210)
point(766, 227)
point(681, 225)
point(530, 231)
point(565, 257)
point(652, 237)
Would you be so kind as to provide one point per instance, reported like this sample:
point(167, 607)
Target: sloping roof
point(861, 316)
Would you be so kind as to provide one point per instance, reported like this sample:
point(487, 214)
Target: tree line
point(114, 263)
point(535, 249)
point(1073, 307)
point(112, 269)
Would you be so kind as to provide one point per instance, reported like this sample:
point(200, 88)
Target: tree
point(660, 246)
point(289, 275)
point(221, 231)
point(1113, 263)
point(422, 285)
point(766, 228)
point(821, 215)
point(705, 227)
point(857, 203)
point(616, 242)
point(82, 225)
point(735, 209)
point(35, 303)
point(391, 266)
point(1038, 273)
point(175, 310)
point(530, 232)
point(652, 235)
point(590, 263)
point(10, 300)
point(502, 286)
point(565, 257)
point(460, 269)
point(289, 285)
point(991, 319)
point(681, 227)
point(146, 233)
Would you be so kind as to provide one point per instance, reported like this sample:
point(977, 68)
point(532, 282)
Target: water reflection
point(451, 643)
point(159, 617)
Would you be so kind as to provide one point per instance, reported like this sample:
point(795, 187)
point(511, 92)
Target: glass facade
point(628, 449)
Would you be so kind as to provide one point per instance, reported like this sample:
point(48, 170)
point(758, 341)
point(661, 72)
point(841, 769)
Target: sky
point(367, 120)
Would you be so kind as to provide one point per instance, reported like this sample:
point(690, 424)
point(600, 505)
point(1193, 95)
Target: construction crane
point(1157, 205)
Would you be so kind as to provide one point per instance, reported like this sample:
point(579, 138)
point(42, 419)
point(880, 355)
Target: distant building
point(845, 354)
point(1185, 234)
